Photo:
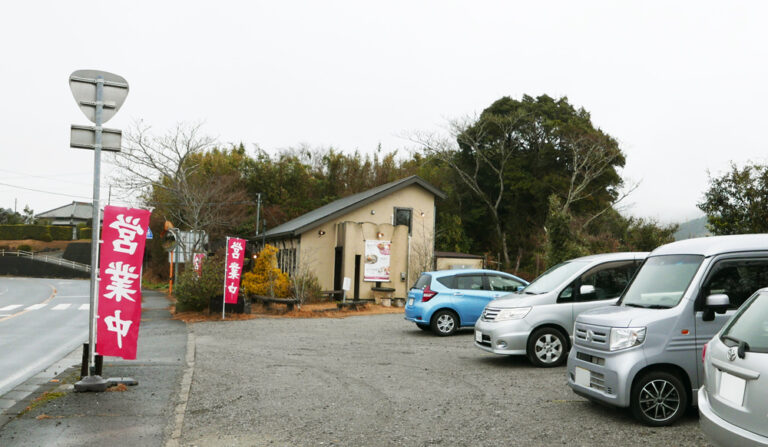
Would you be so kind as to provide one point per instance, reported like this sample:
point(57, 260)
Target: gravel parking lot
point(379, 380)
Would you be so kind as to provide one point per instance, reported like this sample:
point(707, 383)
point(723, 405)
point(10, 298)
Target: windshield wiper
point(530, 293)
point(743, 346)
point(634, 305)
point(659, 306)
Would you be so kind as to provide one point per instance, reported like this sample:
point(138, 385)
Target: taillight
point(428, 294)
point(704, 352)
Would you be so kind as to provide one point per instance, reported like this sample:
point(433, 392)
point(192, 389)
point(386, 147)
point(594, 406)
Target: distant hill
point(692, 228)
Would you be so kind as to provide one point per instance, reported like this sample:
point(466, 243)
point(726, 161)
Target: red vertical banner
point(197, 263)
point(122, 252)
point(233, 268)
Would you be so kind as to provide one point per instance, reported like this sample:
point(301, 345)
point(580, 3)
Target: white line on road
point(37, 306)
point(84, 307)
point(61, 306)
point(11, 307)
point(73, 296)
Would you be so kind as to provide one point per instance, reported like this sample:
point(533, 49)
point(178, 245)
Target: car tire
point(422, 326)
point(444, 322)
point(547, 347)
point(659, 398)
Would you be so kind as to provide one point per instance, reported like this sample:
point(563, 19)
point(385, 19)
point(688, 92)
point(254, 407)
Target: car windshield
point(750, 325)
point(661, 281)
point(553, 277)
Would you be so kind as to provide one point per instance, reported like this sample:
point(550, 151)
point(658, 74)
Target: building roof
point(74, 210)
point(345, 205)
point(452, 254)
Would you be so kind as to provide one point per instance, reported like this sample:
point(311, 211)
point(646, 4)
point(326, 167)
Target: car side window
point(606, 281)
point(503, 284)
point(448, 281)
point(737, 278)
point(566, 296)
point(469, 282)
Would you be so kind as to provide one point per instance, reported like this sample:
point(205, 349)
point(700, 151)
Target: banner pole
point(224, 292)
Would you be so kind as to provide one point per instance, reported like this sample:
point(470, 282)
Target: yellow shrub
point(266, 279)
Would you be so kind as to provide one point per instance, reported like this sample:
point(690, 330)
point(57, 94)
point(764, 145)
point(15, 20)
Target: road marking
point(74, 296)
point(11, 307)
point(84, 307)
point(36, 306)
point(61, 306)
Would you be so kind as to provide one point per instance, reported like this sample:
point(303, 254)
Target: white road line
point(73, 296)
point(36, 306)
point(11, 307)
point(84, 307)
point(61, 306)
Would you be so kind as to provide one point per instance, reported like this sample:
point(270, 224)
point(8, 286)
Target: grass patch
point(42, 399)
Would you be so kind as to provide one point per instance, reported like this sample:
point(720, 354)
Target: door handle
point(457, 294)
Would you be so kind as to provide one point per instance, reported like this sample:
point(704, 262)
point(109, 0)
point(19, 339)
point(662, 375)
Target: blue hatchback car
point(445, 300)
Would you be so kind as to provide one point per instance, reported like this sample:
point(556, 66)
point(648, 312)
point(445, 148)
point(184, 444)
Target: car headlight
point(514, 313)
point(626, 337)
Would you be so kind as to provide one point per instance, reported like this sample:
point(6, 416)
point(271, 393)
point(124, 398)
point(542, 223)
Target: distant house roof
point(74, 211)
point(345, 205)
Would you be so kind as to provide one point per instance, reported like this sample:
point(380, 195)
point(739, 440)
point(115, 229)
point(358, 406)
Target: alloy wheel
point(659, 400)
point(445, 323)
point(548, 348)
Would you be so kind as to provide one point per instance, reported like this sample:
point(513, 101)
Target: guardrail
point(48, 259)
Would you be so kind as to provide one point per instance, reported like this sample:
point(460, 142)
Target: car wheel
point(547, 347)
point(444, 322)
point(659, 398)
point(423, 327)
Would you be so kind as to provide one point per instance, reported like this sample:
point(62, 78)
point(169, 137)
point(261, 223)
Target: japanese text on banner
point(233, 268)
point(119, 300)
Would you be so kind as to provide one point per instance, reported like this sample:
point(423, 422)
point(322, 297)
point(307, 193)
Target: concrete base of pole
point(127, 381)
point(91, 383)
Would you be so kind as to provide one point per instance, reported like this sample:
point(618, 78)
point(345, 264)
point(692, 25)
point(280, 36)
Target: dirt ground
point(313, 310)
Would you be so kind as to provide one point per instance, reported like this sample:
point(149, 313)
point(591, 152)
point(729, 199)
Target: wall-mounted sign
point(376, 261)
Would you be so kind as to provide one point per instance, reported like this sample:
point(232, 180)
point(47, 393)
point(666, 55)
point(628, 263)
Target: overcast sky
point(681, 85)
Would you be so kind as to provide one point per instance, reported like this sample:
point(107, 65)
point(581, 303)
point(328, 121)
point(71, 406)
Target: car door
point(736, 276)
point(470, 297)
point(601, 286)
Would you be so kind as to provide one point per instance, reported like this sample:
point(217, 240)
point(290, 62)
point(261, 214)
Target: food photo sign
point(376, 260)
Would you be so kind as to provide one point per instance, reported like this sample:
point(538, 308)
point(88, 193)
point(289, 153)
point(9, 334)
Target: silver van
point(538, 321)
point(733, 403)
point(645, 352)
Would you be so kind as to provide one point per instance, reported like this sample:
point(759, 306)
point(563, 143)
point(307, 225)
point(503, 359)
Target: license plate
point(581, 377)
point(478, 336)
point(732, 388)
point(410, 302)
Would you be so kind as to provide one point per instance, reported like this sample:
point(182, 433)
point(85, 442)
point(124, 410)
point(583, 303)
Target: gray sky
point(680, 84)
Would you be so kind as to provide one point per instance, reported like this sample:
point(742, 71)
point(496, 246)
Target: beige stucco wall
point(317, 245)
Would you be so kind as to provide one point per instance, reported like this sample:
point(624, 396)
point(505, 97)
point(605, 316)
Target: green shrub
point(193, 293)
point(78, 252)
point(61, 233)
point(24, 247)
point(84, 233)
point(37, 232)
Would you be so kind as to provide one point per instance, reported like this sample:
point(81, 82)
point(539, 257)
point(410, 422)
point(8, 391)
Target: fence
point(48, 259)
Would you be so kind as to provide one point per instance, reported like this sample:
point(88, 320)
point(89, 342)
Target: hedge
point(84, 233)
point(15, 266)
point(78, 252)
point(45, 233)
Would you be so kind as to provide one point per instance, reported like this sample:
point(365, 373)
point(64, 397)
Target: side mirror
point(586, 289)
point(520, 288)
point(715, 304)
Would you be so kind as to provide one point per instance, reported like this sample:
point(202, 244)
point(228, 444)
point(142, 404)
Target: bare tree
point(166, 170)
point(493, 157)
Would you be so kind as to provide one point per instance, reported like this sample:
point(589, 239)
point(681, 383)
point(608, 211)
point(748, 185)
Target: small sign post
point(99, 95)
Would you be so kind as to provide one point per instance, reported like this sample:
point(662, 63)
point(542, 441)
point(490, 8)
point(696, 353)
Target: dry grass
point(39, 245)
point(314, 310)
point(120, 387)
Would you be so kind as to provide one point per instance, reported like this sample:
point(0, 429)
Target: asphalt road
point(378, 380)
point(41, 320)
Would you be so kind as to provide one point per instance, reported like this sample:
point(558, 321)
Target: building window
point(403, 217)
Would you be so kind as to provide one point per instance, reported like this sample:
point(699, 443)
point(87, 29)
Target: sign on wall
point(117, 328)
point(376, 260)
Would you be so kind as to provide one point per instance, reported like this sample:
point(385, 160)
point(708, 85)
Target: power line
point(45, 192)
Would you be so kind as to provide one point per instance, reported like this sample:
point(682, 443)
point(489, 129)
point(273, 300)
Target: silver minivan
point(538, 321)
point(645, 352)
point(733, 403)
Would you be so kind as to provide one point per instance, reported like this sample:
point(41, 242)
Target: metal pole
point(224, 292)
point(258, 212)
point(96, 224)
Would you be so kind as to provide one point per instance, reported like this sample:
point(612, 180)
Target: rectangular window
point(403, 217)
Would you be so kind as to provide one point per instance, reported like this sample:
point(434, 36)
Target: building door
point(337, 273)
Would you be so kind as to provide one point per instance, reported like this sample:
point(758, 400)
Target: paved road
point(378, 380)
point(41, 320)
